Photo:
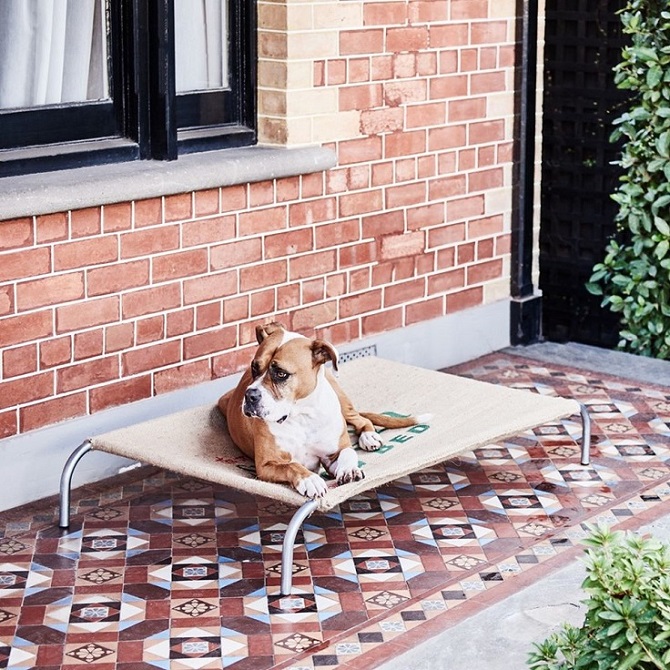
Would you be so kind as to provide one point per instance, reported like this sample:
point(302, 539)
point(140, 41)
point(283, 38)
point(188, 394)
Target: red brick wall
point(109, 305)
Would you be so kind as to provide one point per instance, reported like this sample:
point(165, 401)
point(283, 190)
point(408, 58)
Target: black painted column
point(526, 302)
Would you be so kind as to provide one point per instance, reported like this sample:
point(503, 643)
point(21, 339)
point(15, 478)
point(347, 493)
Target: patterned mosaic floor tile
point(161, 571)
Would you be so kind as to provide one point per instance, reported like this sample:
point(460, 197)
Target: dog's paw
point(312, 487)
point(370, 440)
point(349, 475)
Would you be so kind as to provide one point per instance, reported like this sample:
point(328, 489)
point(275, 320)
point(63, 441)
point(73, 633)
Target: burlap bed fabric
point(466, 415)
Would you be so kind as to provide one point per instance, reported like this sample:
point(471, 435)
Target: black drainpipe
point(526, 304)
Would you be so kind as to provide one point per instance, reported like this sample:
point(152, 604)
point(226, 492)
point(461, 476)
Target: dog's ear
point(322, 352)
point(267, 329)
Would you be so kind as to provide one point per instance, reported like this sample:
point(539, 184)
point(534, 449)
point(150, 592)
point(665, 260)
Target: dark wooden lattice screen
point(583, 43)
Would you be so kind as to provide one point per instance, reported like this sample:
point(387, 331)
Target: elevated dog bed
point(466, 414)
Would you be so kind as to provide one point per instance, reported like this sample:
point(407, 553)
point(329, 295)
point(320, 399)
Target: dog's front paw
point(312, 487)
point(370, 440)
point(349, 475)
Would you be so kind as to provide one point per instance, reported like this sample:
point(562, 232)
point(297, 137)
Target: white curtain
point(52, 51)
point(201, 37)
point(55, 51)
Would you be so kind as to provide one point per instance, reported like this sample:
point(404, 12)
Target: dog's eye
point(255, 370)
point(280, 375)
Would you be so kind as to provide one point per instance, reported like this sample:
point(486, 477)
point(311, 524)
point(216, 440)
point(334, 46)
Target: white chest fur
point(313, 427)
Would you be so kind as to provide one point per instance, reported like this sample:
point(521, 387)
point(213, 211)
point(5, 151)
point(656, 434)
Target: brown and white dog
point(290, 415)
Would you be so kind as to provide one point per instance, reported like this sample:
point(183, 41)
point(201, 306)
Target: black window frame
point(145, 118)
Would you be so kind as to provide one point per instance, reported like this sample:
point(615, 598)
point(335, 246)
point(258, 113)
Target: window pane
point(201, 38)
point(51, 52)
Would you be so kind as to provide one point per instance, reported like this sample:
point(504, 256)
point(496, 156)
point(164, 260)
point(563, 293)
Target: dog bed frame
point(466, 415)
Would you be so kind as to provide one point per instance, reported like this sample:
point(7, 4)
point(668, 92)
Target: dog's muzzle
point(252, 405)
point(252, 400)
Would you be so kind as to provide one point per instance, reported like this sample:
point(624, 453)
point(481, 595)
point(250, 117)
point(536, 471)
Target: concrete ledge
point(35, 194)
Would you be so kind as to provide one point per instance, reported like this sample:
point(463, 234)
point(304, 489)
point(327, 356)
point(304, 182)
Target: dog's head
point(284, 370)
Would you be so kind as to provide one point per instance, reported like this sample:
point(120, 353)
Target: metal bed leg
point(292, 529)
point(586, 434)
point(66, 482)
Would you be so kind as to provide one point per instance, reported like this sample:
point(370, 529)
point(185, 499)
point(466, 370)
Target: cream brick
point(336, 127)
point(314, 101)
point(299, 131)
point(299, 17)
point(502, 9)
point(338, 15)
point(322, 44)
point(507, 222)
point(507, 265)
point(509, 79)
point(497, 290)
point(500, 105)
point(300, 74)
point(508, 174)
point(497, 200)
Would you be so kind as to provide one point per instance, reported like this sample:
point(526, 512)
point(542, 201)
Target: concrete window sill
point(78, 188)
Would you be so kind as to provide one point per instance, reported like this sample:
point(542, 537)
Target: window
point(84, 82)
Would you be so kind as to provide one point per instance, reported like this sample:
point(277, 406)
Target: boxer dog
point(290, 416)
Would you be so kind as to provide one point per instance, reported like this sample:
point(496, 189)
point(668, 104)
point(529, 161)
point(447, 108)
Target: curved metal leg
point(66, 482)
point(586, 434)
point(288, 546)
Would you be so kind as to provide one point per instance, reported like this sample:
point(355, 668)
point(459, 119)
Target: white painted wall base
point(446, 341)
point(35, 459)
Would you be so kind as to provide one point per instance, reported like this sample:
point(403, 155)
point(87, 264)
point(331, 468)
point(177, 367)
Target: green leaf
point(599, 272)
point(618, 642)
point(661, 225)
point(644, 53)
point(654, 76)
point(663, 144)
point(611, 616)
point(663, 201)
point(615, 628)
point(639, 113)
point(631, 661)
point(634, 223)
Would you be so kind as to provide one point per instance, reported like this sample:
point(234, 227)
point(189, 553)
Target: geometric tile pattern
point(160, 571)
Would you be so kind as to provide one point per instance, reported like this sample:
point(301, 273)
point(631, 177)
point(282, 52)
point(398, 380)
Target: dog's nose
point(252, 396)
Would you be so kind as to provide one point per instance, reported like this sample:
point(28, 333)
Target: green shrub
point(634, 277)
point(627, 621)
